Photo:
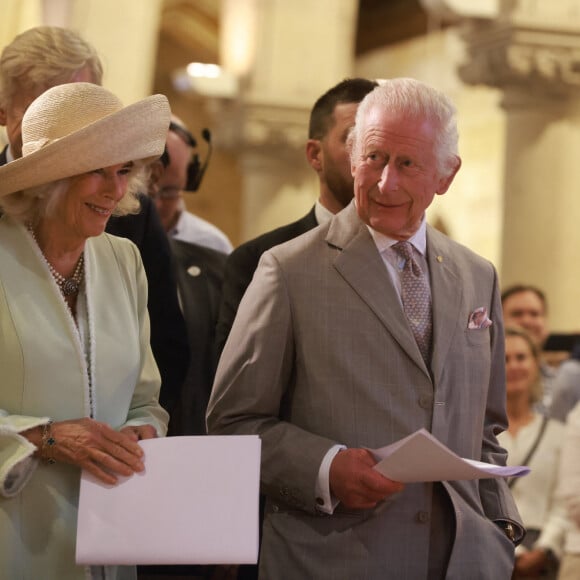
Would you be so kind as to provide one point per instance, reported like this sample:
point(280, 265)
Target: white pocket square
point(479, 319)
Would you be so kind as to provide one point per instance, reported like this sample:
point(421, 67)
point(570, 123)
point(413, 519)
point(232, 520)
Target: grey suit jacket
point(321, 353)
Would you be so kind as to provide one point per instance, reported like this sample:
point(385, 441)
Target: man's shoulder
point(445, 246)
point(254, 248)
point(186, 252)
point(196, 230)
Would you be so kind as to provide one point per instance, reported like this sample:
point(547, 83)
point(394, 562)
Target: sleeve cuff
point(324, 501)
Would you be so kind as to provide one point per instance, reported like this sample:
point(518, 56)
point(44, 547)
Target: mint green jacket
point(43, 374)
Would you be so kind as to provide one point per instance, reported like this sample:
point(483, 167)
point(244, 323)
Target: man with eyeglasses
point(179, 223)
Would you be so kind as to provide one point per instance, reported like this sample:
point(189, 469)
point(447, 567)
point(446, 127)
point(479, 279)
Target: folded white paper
point(421, 457)
point(195, 503)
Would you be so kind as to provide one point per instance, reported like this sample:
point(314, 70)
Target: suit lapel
point(447, 298)
point(362, 267)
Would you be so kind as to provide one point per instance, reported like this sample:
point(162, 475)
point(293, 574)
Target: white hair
point(412, 98)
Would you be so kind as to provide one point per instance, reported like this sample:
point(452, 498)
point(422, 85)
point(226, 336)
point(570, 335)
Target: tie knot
point(405, 251)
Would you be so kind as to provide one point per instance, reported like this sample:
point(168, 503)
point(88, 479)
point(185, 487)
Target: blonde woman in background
point(534, 440)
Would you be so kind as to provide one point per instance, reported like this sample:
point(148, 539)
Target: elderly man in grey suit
point(355, 335)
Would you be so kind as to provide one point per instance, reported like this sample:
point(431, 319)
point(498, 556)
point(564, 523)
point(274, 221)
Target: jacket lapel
point(362, 267)
point(446, 295)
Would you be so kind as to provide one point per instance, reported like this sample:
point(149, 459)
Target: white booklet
point(195, 503)
point(421, 457)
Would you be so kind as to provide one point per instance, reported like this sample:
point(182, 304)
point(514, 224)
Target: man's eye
point(375, 159)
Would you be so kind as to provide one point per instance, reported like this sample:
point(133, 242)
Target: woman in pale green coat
point(78, 385)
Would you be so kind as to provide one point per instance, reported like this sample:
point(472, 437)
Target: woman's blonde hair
point(537, 388)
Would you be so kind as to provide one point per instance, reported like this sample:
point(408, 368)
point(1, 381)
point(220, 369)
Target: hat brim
point(138, 131)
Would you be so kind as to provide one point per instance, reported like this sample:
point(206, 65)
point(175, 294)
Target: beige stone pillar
point(531, 50)
point(297, 50)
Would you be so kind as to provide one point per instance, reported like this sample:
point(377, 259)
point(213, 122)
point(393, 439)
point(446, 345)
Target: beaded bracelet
point(48, 443)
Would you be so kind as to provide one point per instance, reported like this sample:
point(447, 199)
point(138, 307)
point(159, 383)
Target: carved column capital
point(540, 58)
point(259, 125)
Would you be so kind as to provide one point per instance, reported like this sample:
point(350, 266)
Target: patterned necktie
point(416, 299)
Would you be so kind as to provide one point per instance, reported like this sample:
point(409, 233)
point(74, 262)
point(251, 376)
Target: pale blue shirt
point(394, 264)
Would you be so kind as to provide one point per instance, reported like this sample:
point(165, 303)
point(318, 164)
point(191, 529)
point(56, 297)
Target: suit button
point(422, 517)
point(275, 508)
point(425, 401)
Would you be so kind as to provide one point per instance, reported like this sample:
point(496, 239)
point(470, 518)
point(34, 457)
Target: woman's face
point(87, 205)
point(521, 367)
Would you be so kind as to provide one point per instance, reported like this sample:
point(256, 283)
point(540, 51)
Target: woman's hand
point(138, 432)
point(98, 448)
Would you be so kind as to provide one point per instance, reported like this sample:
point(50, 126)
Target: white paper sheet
point(195, 503)
point(421, 457)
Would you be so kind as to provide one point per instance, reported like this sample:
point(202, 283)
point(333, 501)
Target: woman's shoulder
point(108, 247)
point(116, 243)
point(555, 432)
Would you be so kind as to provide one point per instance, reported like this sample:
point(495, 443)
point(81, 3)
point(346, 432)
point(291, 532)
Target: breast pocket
point(477, 336)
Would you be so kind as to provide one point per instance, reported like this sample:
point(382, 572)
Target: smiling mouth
point(100, 210)
point(391, 205)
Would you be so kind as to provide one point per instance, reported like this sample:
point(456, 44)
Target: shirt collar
point(418, 239)
point(322, 215)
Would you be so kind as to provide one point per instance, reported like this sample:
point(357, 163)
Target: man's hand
point(355, 483)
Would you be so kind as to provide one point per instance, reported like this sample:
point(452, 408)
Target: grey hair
point(43, 57)
point(414, 99)
point(30, 206)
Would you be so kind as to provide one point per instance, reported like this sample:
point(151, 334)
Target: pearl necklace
point(67, 286)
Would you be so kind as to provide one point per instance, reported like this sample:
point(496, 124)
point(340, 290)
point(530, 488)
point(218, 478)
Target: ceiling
point(384, 22)
point(193, 25)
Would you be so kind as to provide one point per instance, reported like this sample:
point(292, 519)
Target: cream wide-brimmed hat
point(79, 127)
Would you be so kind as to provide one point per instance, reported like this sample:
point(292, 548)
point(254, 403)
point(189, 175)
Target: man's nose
point(389, 179)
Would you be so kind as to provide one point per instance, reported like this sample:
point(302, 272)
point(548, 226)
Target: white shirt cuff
point(324, 500)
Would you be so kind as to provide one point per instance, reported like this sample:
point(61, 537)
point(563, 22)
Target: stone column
point(298, 50)
point(531, 50)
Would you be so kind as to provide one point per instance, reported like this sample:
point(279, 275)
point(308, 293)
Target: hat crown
point(63, 110)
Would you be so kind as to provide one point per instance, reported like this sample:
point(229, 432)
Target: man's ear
point(447, 180)
point(2, 117)
point(314, 154)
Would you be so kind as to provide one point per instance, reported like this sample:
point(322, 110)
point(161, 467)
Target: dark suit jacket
point(3, 159)
point(168, 333)
point(241, 265)
point(199, 272)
